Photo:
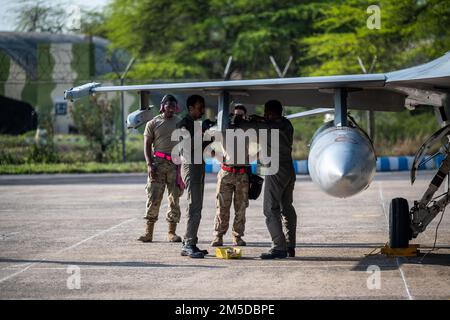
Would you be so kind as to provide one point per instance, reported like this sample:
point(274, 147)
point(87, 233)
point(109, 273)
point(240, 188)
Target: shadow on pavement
point(433, 259)
point(99, 178)
point(133, 264)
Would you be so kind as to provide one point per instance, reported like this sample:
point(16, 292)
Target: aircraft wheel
point(399, 223)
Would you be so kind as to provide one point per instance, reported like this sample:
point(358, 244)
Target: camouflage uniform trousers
point(165, 177)
point(229, 184)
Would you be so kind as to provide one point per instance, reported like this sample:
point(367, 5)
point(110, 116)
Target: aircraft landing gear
point(405, 224)
point(399, 223)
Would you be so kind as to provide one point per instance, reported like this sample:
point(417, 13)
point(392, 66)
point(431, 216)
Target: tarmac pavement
point(74, 237)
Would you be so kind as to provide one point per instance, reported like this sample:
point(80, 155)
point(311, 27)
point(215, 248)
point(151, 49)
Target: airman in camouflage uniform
point(162, 172)
point(232, 180)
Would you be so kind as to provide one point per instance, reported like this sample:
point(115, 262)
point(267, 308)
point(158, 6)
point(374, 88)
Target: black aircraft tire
point(399, 223)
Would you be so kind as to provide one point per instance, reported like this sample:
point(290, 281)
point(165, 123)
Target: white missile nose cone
point(341, 162)
point(343, 171)
point(340, 168)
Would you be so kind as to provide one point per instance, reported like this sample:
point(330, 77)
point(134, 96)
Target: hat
point(169, 98)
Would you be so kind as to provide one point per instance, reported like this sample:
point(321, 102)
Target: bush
point(135, 147)
point(42, 154)
point(95, 120)
point(15, 149)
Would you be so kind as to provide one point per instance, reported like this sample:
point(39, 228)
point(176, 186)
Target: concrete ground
point(74, 237)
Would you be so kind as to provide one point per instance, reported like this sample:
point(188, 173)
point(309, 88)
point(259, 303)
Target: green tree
point(95, 120)
point(411, 32)
point(39, 16)
point(193, 38)
point(188, 39)
point(92, 23)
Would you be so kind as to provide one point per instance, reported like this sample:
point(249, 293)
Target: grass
point(87, 167)
point(68, 148)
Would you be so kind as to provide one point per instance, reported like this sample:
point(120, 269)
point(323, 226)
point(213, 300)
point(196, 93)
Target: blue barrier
point(384, 164)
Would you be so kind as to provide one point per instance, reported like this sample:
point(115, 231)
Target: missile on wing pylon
point(341, 161)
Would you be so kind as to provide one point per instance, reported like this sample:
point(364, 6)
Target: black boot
point(192, 251)
point(205, 252)
point(274, 254)
point(291, 252)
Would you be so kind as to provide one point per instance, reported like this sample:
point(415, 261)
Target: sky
point(7, 8)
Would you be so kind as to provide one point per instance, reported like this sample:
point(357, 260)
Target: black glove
point(236, 119)
point(208, 124)
point(256, 118)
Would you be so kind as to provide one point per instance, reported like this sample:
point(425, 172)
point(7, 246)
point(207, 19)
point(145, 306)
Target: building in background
point(36, 68)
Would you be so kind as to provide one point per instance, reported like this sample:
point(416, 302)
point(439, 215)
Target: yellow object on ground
point(228, 253)
point(411, 251)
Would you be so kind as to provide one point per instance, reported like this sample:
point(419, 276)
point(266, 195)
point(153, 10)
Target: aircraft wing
point(431, 75)
point(309, 113)
point(425, 84)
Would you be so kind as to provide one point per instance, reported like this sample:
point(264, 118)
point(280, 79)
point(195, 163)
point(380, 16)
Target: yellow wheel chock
point(228, 253)
point(411, 251)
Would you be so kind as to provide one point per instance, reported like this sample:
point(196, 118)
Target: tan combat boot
point(238, 241)
point(148, 236)
point(171, 235)
point(217, 242)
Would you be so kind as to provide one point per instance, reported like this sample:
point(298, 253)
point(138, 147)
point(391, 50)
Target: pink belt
point(168, 157)
point(163, 155)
